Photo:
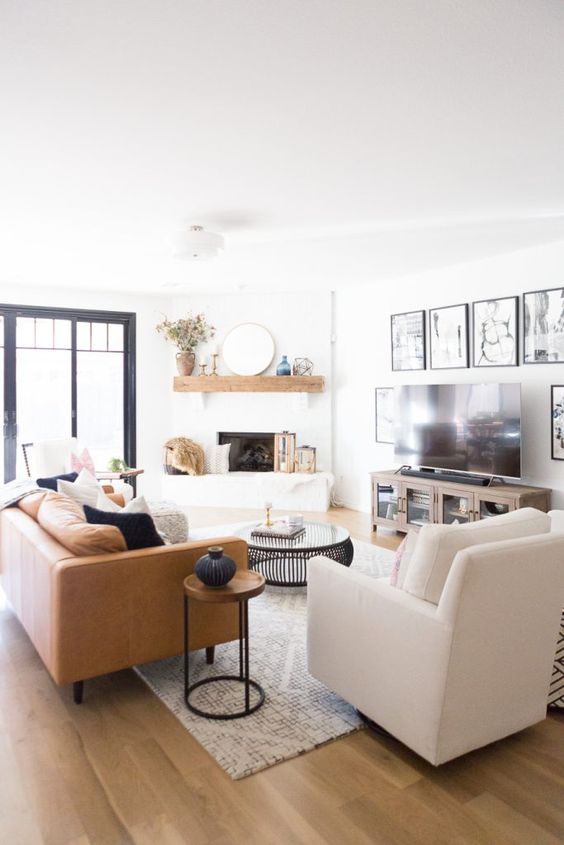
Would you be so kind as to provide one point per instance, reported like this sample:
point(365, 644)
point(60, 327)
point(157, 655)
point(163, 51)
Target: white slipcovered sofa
point(451, 675)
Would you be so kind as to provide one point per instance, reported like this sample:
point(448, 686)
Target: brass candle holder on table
point(203, 366)
point(268, 522)
point(214, 357)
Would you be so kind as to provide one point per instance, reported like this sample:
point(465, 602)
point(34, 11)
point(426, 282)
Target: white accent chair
point(448, 678)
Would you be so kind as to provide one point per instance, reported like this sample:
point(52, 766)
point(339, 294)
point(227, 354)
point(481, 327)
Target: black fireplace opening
point(251, 451)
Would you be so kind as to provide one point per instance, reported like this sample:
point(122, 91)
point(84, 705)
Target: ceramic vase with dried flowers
point(186, 334)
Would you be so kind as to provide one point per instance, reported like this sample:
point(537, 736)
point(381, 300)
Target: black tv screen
point(473, 428)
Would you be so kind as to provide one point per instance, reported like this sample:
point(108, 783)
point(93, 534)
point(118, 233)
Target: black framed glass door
point(68, 373)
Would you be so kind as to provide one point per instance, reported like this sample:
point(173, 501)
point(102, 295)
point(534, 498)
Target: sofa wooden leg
point(210, 654)
point(77, 691)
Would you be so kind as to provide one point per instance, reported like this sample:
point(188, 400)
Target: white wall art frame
point(384, 400)
point(448, 337)
point(408, 340)
point(543, 326)
point(495, 332)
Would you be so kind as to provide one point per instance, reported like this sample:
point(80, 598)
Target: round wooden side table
point(243, 586)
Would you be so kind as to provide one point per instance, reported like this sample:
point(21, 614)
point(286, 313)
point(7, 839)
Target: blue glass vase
point(283, 368)
point(215, 569)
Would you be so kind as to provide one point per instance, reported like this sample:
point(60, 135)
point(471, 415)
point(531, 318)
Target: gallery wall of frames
point(503, 332)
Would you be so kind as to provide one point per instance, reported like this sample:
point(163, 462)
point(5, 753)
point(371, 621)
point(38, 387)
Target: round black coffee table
point(284, 562)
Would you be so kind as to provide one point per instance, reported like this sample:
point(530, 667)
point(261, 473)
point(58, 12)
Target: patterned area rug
point(299, 713)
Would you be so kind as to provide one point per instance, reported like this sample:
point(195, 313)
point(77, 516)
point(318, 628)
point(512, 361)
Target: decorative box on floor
point(286, 491)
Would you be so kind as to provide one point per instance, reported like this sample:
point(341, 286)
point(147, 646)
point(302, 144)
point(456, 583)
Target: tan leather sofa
point(88, 616)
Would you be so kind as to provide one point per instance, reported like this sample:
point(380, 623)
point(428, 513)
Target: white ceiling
point(334, 142)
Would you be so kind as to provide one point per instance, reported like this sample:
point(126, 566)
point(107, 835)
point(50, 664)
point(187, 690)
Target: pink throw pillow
point(82, 461)
point(394, 574)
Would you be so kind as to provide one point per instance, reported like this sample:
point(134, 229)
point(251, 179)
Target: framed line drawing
point(495, 332)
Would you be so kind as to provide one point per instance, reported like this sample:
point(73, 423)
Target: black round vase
point(215, 569)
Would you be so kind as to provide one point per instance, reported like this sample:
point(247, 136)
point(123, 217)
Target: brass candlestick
point(203, 369)
point(268, 522)
point(214, 364)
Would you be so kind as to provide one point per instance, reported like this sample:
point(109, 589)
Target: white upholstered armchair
point(450, 677)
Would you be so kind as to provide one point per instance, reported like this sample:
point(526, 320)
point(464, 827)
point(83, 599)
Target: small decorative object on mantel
point(284, 451)
point(214, 357)
point(305, 459)
point(203, 366)
point(302, 367)
point(283, 368)
point(215, 569)
point(186, 334)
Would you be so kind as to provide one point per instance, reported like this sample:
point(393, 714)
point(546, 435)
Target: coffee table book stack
point(279, 530)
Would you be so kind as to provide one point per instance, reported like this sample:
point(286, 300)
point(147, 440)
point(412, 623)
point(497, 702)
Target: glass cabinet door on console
point(386, 499)
point(487, 505)
point(455, 507)
point(418, 506)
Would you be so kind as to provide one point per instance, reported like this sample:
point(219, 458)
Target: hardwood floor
point(120, 768)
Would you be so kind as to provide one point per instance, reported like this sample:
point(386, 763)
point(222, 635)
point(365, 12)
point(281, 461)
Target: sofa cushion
point(137, 505)
point(437, 546)
point(138, 529)
point(30, 504)
point(402, 559)
point(216, 460)
point(51, 482)
point(64, 520)
point(84, 490)
point(82, 461)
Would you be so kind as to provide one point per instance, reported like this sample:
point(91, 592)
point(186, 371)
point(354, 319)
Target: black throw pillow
point(51, 482)
point(138, 529)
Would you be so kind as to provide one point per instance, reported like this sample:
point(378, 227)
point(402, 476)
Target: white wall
point(363, 362)
point(154, 390)
point(301, 326)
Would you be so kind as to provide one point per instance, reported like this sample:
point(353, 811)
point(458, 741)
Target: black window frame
point(10, 313)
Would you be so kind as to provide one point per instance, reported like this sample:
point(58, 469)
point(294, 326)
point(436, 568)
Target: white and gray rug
point(299, 713)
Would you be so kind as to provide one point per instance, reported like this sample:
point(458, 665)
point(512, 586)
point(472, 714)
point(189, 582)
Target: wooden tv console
point(406, 503)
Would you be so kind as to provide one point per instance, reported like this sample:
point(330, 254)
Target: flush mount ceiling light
point(196, 244)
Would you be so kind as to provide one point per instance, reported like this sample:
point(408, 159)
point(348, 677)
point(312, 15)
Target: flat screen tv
point(470, 428)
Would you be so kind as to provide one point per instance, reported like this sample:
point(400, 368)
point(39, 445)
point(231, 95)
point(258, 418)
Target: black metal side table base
point(225, 716)
point(242, 678)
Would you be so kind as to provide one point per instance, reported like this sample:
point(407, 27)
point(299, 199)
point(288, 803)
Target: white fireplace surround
point(286, 491)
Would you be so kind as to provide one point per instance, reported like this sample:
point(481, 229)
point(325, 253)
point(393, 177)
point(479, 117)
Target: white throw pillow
point(437, 546)
point(216, 459)
point(137, 505)
point(84, 490)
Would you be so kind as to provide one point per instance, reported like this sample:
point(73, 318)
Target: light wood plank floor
point(121, 769)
